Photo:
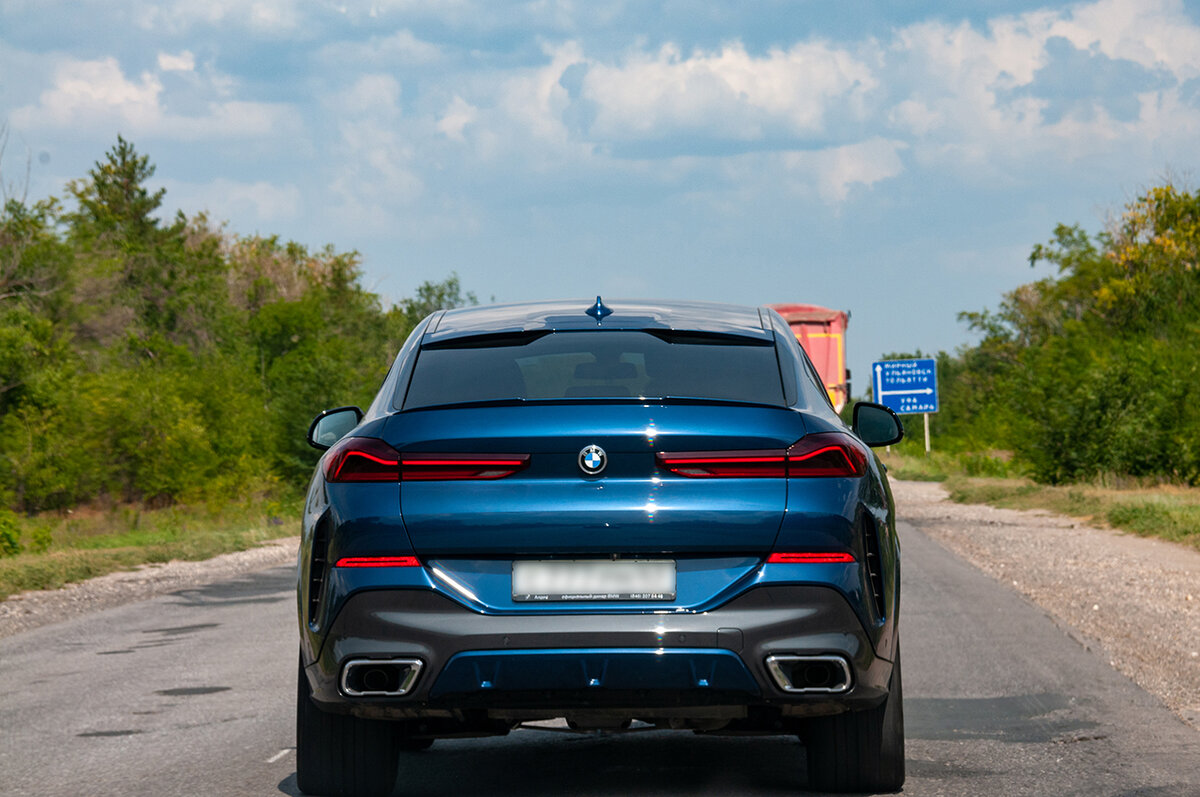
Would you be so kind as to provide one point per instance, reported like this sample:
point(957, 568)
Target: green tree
point(116, 203)
point(158, 361)
point(1094, 371)
point(433, 296)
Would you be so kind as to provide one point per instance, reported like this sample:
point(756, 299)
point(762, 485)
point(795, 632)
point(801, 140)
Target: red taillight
point(725, 464)
point(822, 454)
point(806, 558)
point(362, 459)
point(378, 561)
point(428, 467)
point(365, 459)
point(826, 454)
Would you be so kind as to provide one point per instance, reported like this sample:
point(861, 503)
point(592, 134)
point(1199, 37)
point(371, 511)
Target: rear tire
point(860, 751)
point(341, 755)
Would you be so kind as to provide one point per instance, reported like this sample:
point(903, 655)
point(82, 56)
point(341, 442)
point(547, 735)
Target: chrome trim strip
point(406, 683)
point(784, 683)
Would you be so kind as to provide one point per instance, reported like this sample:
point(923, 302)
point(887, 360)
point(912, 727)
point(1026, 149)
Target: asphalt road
point(192, 694)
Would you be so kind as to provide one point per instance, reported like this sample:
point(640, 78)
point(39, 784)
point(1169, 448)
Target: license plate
point(594, 580)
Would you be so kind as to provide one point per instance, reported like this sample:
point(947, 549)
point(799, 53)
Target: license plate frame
point(586, 580)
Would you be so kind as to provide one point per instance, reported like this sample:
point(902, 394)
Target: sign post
point(907, 387)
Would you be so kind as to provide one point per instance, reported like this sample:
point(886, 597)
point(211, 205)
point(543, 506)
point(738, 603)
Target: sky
point(897, 160)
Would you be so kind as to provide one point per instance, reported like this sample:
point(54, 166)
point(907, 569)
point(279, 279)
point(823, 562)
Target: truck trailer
point(822, 334)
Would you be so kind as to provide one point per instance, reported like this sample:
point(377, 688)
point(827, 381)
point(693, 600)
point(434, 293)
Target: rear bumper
point(676, 663)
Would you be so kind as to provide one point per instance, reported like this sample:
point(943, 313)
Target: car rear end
point(648, 515)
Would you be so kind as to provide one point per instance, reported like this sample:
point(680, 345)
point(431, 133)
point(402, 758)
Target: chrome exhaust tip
point(828, 675)
point(379, 677)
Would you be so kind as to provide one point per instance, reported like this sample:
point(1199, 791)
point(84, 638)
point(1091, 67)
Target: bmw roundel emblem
point(592, 460)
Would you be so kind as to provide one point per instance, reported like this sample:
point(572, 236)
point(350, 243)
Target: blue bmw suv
point(605, 513)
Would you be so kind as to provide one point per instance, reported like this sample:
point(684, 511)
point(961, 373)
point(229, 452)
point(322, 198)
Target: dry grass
point(1170, 512)
point(61, 548)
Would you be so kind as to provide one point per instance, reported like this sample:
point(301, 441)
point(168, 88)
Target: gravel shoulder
point(1135, 600)
point(42, 607)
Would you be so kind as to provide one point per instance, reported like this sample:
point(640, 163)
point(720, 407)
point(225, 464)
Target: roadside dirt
point(1135, 600)
point(37, 608)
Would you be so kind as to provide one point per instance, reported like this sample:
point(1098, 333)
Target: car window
point(597, 364)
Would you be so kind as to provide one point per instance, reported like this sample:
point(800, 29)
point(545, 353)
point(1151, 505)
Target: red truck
point(822, 333)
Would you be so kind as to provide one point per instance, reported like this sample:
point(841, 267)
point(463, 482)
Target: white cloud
point(835, 170)
point(1157, 34)
point(232, 119)
point(916, 117)
point(262, 16)
point(457, 116)
point(564, 112)
point(449, 10)
point(89, 94)
point(960, 72)
point(536, 99)
point(974, 98)
point(414, 124)
point(374, 156)
point(1165, 124)
point(183, 62)
point(1164, 117)
point(399, 48)
point(729, 92)
point(948, 95)
point(85, 90)
point(370, 95)
point(560, 16)
point(225, 199)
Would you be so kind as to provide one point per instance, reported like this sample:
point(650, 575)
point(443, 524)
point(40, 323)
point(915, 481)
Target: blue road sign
point(907, 387)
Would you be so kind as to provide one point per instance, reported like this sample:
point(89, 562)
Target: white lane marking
point(279, 755)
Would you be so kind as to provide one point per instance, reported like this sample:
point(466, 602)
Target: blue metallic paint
point(628, 425)
point(719, 531)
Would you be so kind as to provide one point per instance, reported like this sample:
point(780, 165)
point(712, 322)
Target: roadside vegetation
point(1083, 395)
point(154, 366)
point(57, 548)
point(1094, 373)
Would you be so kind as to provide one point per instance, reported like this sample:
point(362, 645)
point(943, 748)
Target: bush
point(40, 539)
point(10, 538)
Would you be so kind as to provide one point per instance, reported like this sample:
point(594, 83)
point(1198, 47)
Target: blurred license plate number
point(594, 580)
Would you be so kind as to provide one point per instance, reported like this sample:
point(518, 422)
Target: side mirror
point(332, 425)
point(876, 425)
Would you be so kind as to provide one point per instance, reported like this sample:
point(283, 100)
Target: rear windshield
point(597, 364)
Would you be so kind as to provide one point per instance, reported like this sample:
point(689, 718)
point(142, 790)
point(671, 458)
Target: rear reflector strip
point(378, 561)
point(808, 558)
